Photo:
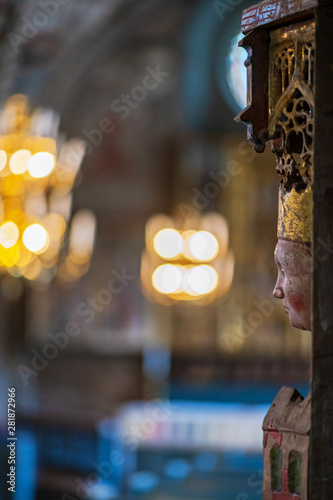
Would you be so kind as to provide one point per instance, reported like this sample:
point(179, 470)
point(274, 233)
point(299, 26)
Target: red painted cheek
point(297, 303)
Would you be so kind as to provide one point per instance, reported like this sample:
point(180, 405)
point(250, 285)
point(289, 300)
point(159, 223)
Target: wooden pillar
point(321, 437)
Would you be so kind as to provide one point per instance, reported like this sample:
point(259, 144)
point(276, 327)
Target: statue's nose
point(278, 292)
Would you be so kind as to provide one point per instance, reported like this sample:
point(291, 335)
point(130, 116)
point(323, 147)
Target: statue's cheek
point(296, 301)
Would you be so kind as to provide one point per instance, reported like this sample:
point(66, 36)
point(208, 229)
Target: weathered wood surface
point(287, 426)
point(273, 10)
point(321, 438)
point(255, 115)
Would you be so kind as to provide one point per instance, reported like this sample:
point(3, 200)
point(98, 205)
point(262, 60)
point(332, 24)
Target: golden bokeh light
point(32, 270)
point(48, 261)
point(9, 234)
point(25, 255)
point(55, 224)
point(12, 185)
point(82, 236)
point(3, 159)
point(38, 169)
point(15, 215)
point(74, 269)
point(19, 160)
point(9, 256)
point(187, 259)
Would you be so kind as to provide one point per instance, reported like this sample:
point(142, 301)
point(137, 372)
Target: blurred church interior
point(125, 389)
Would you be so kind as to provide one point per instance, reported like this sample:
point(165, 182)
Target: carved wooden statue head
point(294, 282)
point(293, 256)
point(280, 110)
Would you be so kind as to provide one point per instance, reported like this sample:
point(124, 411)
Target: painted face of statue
point(294, 281)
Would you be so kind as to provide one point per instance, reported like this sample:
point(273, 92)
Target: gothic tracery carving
point(291, 101)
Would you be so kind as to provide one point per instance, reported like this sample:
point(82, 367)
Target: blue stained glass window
point(236, 71)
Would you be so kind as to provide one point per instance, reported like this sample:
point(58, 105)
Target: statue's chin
point(301, 325)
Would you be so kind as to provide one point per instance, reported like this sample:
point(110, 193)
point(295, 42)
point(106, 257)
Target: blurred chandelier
point(186, 260)
point(38, 168)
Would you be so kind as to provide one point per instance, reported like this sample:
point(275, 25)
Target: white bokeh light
point(203, 246)
point(168, 243)
point(201, 280)
point(35, 238)
point(167, 278)
point(41, 165)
